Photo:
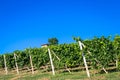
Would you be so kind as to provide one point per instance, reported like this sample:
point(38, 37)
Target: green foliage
point(10, 60)
point(116, 44)
point(77, 39)
point(102, 49)
point(1, 61)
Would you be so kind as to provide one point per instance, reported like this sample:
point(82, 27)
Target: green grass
point(49, 76)
point(6, 77)
point(61, 76)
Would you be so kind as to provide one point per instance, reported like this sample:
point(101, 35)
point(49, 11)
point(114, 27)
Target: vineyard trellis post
point(84, 59)
point(16, 64)
point(51, 61)
point(31, 64)
point(5, 65)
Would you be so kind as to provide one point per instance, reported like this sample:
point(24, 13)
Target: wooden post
point(31, 65)
point(105, 70)
point(5, 65)
point(67, 69)
point(51, 61)
point(16, 64)
point(116, 61)
point(84, 59)
point(85, 63)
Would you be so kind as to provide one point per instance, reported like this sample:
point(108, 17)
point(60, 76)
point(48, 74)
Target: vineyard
point(100, 53)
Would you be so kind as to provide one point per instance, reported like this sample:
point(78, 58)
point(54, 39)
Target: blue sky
point(29, 23)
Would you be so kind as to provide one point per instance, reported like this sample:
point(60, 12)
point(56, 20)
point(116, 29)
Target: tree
point(53, 41)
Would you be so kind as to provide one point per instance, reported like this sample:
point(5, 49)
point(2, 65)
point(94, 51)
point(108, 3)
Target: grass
point(61, 76)
point(6, 77)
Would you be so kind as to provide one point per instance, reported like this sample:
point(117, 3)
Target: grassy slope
point(61, 76)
